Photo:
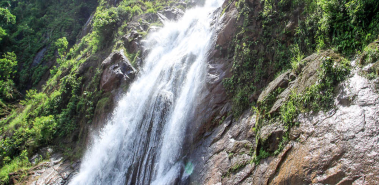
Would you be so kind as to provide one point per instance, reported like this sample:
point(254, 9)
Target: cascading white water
point(142, 143)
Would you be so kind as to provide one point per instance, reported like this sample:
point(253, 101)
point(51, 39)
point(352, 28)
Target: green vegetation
point(8, 91)
point(19, 163)
point(289, 30)
point(236, 167)
point(279, 44)
point(263, 154)
point(296, 58)
point(61, 108)
point(8, 65)
point(6, 18)
point(347, 25)
point(320, 95)
point(37, 24)
point(314, 98)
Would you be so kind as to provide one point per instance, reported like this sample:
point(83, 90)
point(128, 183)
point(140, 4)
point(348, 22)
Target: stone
point(270, 136)
point(280, 82)
point(42, 153)
point(228, 145)
point(87, 28)
point(307, 77)
point(335, 147)
point(39, 56)
point(117, 69)
point(132, 41)
point(55, 171)
point(227, 27)
point(243, 146)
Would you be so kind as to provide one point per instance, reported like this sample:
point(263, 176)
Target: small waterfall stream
point(143, 141)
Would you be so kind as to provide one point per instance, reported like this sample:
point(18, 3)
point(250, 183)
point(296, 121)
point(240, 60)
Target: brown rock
point(270, 137)
point(338, 147)
point(227, 27)
point(280, 82)
point(132, 41)
point(335, 147)
point(117, 69)
point(307, 77)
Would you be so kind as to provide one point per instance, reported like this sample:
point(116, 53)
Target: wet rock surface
point(280, 82)
point(340, 146)
point(335, 147)
point(270, 136)
point(87, 28)
point(52, 172)
point(214, 106)
point(228, 25)
point(228, 146)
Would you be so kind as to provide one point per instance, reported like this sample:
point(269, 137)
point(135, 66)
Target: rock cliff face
point(334, 147)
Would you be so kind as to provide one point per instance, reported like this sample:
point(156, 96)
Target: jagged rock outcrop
point(228, 25)
point(334, 147)
point(117, 74)
point(55, 171)
point(227, 146)
point(132, 41)
point(39, 56)
point(297, 80)
point(117, 70)
point(214, 105)
point(87, 28)
point(337, 147)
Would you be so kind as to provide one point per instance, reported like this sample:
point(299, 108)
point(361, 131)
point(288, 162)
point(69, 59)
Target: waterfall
point(143, 141)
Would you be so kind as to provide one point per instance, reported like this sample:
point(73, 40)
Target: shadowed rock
point(117, 69)
point(39, 56)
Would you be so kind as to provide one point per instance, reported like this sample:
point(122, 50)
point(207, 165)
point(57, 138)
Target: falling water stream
point(143, 141)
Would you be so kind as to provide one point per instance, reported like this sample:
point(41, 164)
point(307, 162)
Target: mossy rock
point(307, 76)
point(104, 104)
point(370, 54)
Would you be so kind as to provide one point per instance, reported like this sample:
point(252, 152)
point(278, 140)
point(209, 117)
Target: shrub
point(370, 55)
point(21, 162)
point(124, 12)
point(347, 24)
point(38, 72)
point(296, 58)
point(136, 10)
point(8, 65)
point(105, 21)
point(151, 10)
point(44, 128)
point(61, 44)
point(8, 90)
